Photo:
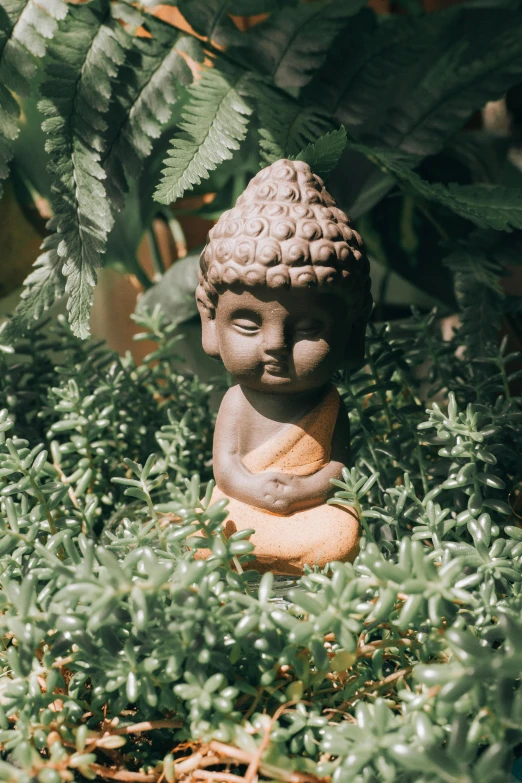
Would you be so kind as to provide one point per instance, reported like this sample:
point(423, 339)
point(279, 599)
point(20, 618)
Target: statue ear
point(355, 345)
point(209, 339)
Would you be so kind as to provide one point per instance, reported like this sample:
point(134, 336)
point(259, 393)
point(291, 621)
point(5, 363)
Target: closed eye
point(245, 325)
point(308, 327)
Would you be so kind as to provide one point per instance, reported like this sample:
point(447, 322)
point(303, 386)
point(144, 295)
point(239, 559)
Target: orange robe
point(317, 535)
point(302, 448)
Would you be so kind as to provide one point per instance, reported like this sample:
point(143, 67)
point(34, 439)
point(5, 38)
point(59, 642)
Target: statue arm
point(229, 470)
point(279, 493)
point(267, 491)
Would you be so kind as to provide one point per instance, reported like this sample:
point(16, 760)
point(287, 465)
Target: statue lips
point(276, 368)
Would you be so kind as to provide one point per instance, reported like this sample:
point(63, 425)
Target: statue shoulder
point(232, 400)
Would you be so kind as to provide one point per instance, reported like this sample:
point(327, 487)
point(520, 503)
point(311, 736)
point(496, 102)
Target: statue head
point(285, 261)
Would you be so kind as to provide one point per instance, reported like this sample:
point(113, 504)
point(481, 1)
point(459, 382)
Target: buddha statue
point(284, 297)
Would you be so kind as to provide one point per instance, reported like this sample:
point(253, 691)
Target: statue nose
point(275, 341)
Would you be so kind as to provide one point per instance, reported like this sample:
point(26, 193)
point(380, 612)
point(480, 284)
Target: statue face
point(281, 340)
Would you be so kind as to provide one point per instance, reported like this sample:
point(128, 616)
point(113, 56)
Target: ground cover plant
point(124, 658)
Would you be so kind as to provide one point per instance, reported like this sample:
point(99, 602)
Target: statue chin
point(284, 545)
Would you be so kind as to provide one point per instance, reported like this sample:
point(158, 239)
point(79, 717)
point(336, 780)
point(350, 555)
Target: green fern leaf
point(480, 309)
point(411, 83)
point(214, 123)
point(324, 154)
point(42, 288)
point(211, 19)
point(25, 28)
point(478, 264)
point(488, 206)
point(292, 44)
point(286, 126)
point(149, 86)
point(9, 112)
point(475, 151)
point(356, 88)
point(83, 61)
point(476, 58)
point(252, 7)
point(475, 259)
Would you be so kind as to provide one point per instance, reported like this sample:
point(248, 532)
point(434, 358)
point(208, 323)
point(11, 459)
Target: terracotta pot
point(20, 241)
point(116, 295)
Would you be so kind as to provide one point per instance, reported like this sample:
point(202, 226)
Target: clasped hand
point(277, 492)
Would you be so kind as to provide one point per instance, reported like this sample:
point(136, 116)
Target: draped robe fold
point(315, 535)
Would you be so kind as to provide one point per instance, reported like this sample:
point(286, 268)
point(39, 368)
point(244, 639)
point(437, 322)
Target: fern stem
point(137, 270)
point(155, 252)
point(179, 237)
point(176, 229)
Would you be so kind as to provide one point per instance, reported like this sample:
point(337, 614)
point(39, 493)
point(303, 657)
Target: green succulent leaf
point(103, 517)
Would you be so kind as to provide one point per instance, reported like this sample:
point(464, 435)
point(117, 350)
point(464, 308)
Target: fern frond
point(214, 123)
point(286, 126)
point(411, 83)
point(210, 18)
point(292, 44)
point(25, 28)
point(479, 314)
point(42, 288)
point(9, 113)
point(149, 86)
point(83, 61)
point(475, 150)
point(360, 75)
point(478, 264)
point(488, 206)
point(477, 57)
point(324, 154)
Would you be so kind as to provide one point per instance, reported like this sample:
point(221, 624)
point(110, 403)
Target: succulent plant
point(126, 657)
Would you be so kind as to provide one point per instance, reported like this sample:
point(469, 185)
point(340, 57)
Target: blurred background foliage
point(435, 83)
